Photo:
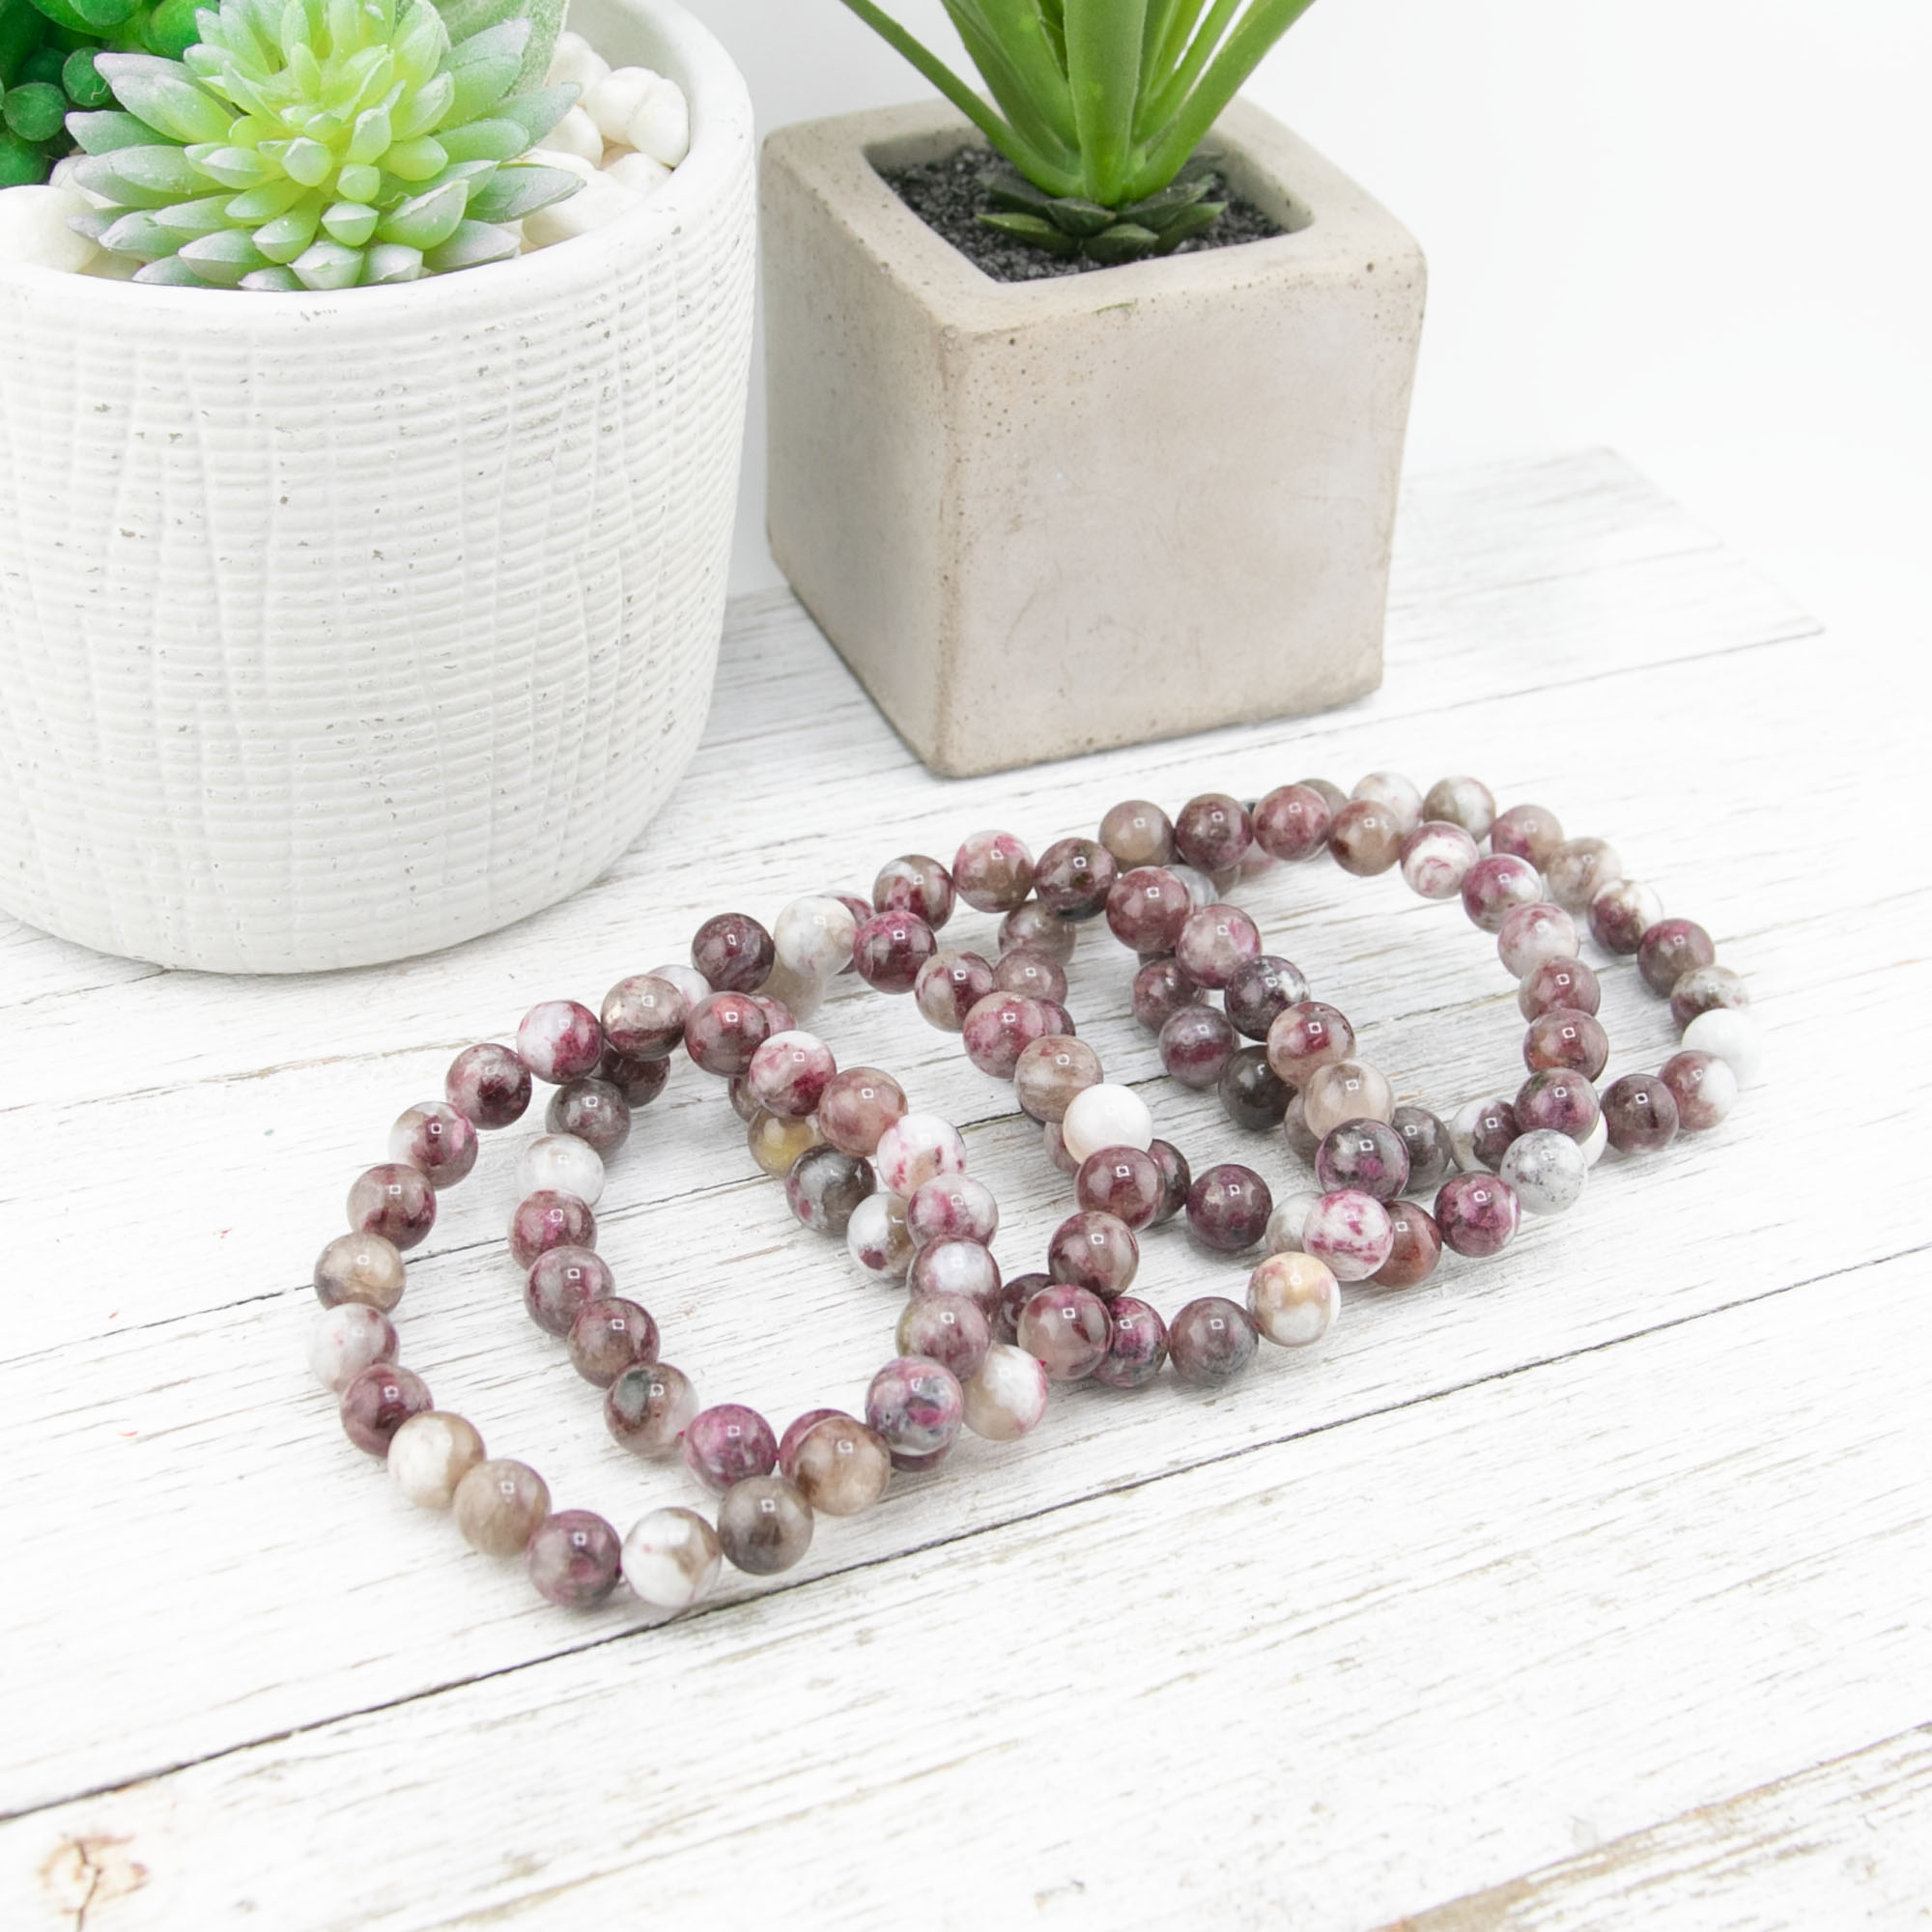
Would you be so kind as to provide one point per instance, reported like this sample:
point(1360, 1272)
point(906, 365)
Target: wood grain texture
point(1412, 1579)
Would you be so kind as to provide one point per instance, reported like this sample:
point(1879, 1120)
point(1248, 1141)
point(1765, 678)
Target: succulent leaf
point(320, 144)
point(1069, 226)
point(1124, 242)
point(1193, 221)
point(1036, 229)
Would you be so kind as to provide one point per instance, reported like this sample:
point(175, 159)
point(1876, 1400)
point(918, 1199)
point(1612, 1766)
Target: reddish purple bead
point(999, 1028)
point(547, 1220)
point(1528, 832)
point(639, 1081)
point(1260, 988)
point(916, 884)
point(950, 985)
point(1024, 970)
point(1161, 989)
point(733, 951)
point(1122, 1182)
point(993, 871)
point(1210, 1341)
point(1136, 1346)
point(1495, 886)
point(825, 1185)
point(379, 1402)
point(1215, 943)
point(1213, 832)
point(1703, 988)
point(1477, 1214)
point(1669, 949)
point(916, 1406)
point(956, 1268)
point(949, 1330)
point(1176, 1178)
point(560, 1041)
point(573, 1559)
point(644, 1016)
point(393, 1201)
point(1014, 1295)
point(1366, 1155)
point(1227, 1207)
point(562, 1282)
point(1292, 823)
point(1252, 1093)
point(593, 1111)
point(724, 1031)
point(1495, 1128)
point(1559, 1099)
point(1567, 1038)
point(1639, 1113)
point(609, 1335)
point(488, 1085)
point(438, 1140)
point(1558, 984)
point(1196, 1043)
point(1146, 908)
point(1073, 877)
point(1066, 1329)
point(726, 1444)
point(890, 948)
point(1096, 1251)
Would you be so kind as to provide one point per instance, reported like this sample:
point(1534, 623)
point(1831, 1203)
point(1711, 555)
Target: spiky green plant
point(1099, 104)
point(319, 144)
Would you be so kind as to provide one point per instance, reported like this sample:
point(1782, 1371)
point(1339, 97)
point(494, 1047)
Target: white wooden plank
point(1327, 1682)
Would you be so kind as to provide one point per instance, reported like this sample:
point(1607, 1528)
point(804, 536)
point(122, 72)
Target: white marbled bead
point(877, 1238)
point(813, 936)
point(430, 1454)
point(1436, 859)
point(1104, 1116)
point(1734, 1037)
point(1534, 933)
point(1463, 1132)
point(348, 1339)
point(672, 1557)
point(1005, 1396)
point(917, 1147)
point(1199, 887)
point(1546, 1170)
point(563, 1164)
point(1399, 794)
point(1289, 1221)
point(687, 979)
point(1293, 1299)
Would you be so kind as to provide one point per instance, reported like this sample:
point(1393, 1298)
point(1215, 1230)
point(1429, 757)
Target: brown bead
point(1567, 1038)
point(500, 1505)
point(607, 1335)
point(1417, 1246)
point(377, 1402)
point(360, 1267)
point(1210, 1341)
point(840, 1465)
point(1364, 838)
point(393, 1201)
point(764, 1525)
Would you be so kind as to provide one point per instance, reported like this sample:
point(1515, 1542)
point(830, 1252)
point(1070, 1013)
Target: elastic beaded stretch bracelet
point(977, 1351)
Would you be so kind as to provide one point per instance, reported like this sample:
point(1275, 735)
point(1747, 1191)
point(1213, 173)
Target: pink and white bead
point(436, 1139)
point(672, 1558)
point(1106, 1115)
point(1348, 1231)
point(1005, 1396)
point(560, 1041)
point(1437, 857)
point(877, 1240)
point(812, 936)
point(917, 1147)
point(1293, 1299)
point(1531, 934)
point(561, 1164)
point(1495, 886)
point(789, 1074)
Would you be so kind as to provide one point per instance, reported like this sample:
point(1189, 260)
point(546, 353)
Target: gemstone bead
point(949, 1330)
point(1293, 1299)
point(1136, 1346)
point(360, 1267)
point(573, 1559)
point(1367, 1154)
point(1733, 1036)
point(672, 1558)
point(591, 1111)
point(1252, 1093)
point(1481, 1131)
point(992, 871)
point(1462, 801)
point(1349, 1230)
point(347, 1339)
point(1396, 792)
point(1093, 1250)
point(1436, 859)
point(647, 1407)
point(1289, 1222)
point(1028, 971)
point(1567, 1038)
point(1306, 1036)
point(435, 1139)
point(956, 1268)
point(686, 979)
point(430, 1454)
point(1639, 1113)
point(499, 1505)
point(1147, 909)
point(1032, 927)
point(1138, 833)
point(1051, 1072)
point(1593, 1144)
point(1477, 1214)
point(1558, 983)
point(1580, 868)
point(1212, 832)
point(644, 1016)
point(560, 1041)
point(876, 1236)
point(777, 1142)
point(393, 1201)
point(999, 1028)
point(1701, 990)
point(1104, 1116)
point(1366, 837)
point(1005, 1398)
point(948, 985)
point(1531, 832)
point(1425, 1140)
point(1497, 885)
point(1066, 1328)
point(1216, 941)
point(561, 1164)
point(1533, 933)
point(1177, 1179)
point(789, 1074)
point(1291, 823)
point(1622, 913)
point(733, 951)
point(917, 1147)
point(607, 1335)
point(1415, 1247)
point(1227, 1207)
point(1124, 1183)
point(726, 1443)
point(916, 884)
point(952, 1207)
point(858, 1105)
point(1074, 876)
point(1160, 990)
point(1258, 989)
point(488, 1085)
point(640, 1082)
point(1704, 1087)
point(1670, 948)
point(1559, 1099)
point(377, 1404)
point(1547, 1171)
point(823, 1187)
point(840, 1465)
point(812, 936)
point(1196, 1044)
point(1014, 1294)
point(915, 1407)
point(1209, 1342)
point(764, 1525)
point(1345, 1090)
point(723, 1030)
point(562, 1283)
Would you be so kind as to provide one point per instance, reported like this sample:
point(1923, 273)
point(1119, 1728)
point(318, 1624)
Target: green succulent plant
point(1068, 224)
point(319, 144)
point(47, 69)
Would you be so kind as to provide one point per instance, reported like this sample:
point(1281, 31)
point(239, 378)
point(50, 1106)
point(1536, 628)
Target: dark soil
point(947, 196)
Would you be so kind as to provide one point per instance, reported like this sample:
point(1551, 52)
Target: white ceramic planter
point(1041, 518)
point(334, 628)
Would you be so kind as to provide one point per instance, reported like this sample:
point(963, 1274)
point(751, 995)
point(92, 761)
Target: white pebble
point(611, 100)
point(577, 134)
point(563, 1164)
point(562, 157)
point(575, 63)
point(1734, 1037)
point(1104, 1116)
point(660, 125)
point(638, 172)
point(34, 228)
point(1546, 1170)
point(598, 201)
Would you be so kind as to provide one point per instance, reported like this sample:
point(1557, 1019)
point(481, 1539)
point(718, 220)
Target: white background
point(1696, 230)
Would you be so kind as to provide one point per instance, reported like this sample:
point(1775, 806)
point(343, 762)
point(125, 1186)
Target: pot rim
point(682, 47)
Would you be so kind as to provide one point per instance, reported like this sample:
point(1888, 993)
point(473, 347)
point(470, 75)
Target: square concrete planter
point(1042, 518)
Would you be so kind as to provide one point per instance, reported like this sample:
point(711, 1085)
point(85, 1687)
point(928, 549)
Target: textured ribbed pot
point(1040, 518)
point(334, 628)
